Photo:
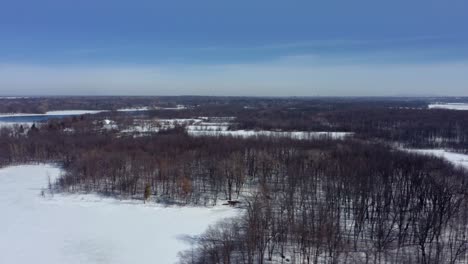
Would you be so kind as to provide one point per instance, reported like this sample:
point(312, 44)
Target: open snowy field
point(54, 113)
point(250, 133)
point(84, 112)
point(134, 109)
point(89, 229)
point(451, 106)
point(457, 159)
point(12, 124)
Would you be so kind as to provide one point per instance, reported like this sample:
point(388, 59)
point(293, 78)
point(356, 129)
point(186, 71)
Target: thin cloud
point(320, 43)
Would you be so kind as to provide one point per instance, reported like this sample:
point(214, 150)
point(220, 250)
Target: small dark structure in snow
point(232, 203)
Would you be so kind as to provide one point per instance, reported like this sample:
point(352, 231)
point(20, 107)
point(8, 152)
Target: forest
point(354, 200)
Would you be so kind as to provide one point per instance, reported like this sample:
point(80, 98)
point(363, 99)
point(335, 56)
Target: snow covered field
point(457, 159)
point(135, 109)
point(83, 112)
point(12, 97)
point(87, 228)
point(204, 126)
point(196, 127)
point(251, 133)
point(452, 106)
point(12, 124)
point(54, 113)
point(147, 108)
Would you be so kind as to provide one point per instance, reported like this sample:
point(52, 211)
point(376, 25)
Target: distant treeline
point(402, 120)
point(413, 125)
point(44, 104)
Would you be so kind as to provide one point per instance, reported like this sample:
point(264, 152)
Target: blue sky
point(234, 47)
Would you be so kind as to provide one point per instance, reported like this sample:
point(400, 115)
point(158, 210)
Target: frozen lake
point(87, 228)
point(30, 118)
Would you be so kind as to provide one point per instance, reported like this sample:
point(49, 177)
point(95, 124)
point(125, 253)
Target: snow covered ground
point(147, 108)
point(13, 124)
point(154, 126)
point(204, 126)
point(452, 106)
point(251, 133)
point(54, 113)
point(135, 109)
point(177, 107)
point(12, 97)
point(457, 159)
point(198, 127)
point(87, 228)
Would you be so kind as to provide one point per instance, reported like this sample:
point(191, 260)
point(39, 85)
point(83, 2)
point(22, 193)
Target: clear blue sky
point(234, 47)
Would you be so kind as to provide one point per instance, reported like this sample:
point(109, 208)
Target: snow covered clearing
point(83, 112)
point(451, 106)
point(108, 124)
point(179, 121)
point(141, 129)
point(12, 97)
point(154, 126)
point(89, 229)
point(209, 127)
point(457, 159)
point(54, 113)
point(147, 108)
point(177, 107)
point(199, 127)
point(196, 128)
point(251, 133)
point(135, 109)
point(13, 124)
point(74, 112)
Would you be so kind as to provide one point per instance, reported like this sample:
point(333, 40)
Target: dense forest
point(408, 123)
point(401, 120)
point(352, 200)
point(43, 104)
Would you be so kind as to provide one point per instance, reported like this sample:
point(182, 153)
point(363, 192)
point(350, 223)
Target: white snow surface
point(74, 112)
point(134, 109)
point(87, 228)
point(147, 108)
point(177, 107)
point(208, 127)
point(83, 112)
point(451, 106)
point(12, 97)
point(457, 159)
point(251, 133)
point(52, 113)
point(13, 124)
